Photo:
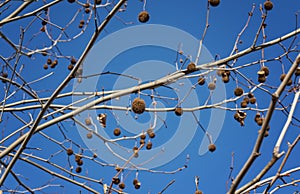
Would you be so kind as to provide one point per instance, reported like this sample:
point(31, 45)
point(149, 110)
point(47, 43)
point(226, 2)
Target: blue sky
point(226, 21)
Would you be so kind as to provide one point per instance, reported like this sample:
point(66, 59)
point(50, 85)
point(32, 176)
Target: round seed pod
point(201, 81)
point(43, 29)
point(55, 62)
point(71, 1)
point(95, 155)
point(80, 162)
point(89, 135)
point(212, 147)
point(178, 111)
point(214, 3)
point(211, 86)
point(282, 76)
point(244, 104)
point(118, 168)
point(297, 72)
point(115, 180)
point(73, 61)
point(138, 106)
point(198, 192)
point(151, 135)
point(49, 61)
point(225, 79)
point(122, 185)
point(78, 169)
point(142, 141)
point(86, 5)
point(70, 67)
point(77, 157)
point(220, 72)
point(246, 100)
point(45, 66)
point(191, 67)
point(135, 149)
point(260, 121)
point(69, 152)
point(80, 26)
point(143, 136)
point(238, 91)
point(261, 73)
point(81, 22)
point(135, 181)
point(88, 121)
point(44, 22)
point(87, 10)
point(143, 17)
point(262, 79)
point(4, 74)
point(266, 70)
point(149, 145)
point(252, 100)
point(98, 2)
point(236, 116)
point(137, 185)
point(268, 5)
point(250, 95)
point(117, 131)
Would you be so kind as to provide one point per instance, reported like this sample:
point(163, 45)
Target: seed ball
point(211, 86)
point(236, 116)
point(262, 79)
point(117, 131)
point(260, 121)
point(252, 100)
point(122, 185)
point(98, 2)
point(220, 72)
point(246, 100)
point(266, 134)
point(80, 26)
point(143, 17)
point(69, 152)
point(151, 135)
point(282, 76)
point(87, 10)
point(201, 81)
point(77, 157)
point(44, 22)
point(212, 147)
point(137, 185)
point(115, 180)
point(86, 5)
point(198, 192)
point(297, 72)
point(45, 66)
point(78, 169)
point(81, 22)
point(238, 91)
point(261, 73)
point(89, 135)
point(135, 181)
point(143, 136)
point(250, 95)
point(266, 70)
point(44, 53)
point(71, 1)
point(80, 162)
point(43, 29)
point(191, 67)
point(149, 145)
point(55, 62)
point(268, 5)
point(225, 79)
point(88, 121)
point(95, 155)
point(73, 61)
point(244, 104)
point(138, 106)
point(118, 168)
point(214, 3)
point(49, 61)
point(142, 141)
point(178, 111)
point(70, 67)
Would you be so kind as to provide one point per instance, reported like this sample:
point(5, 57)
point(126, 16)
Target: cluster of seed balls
point(116, 180)
point(78, 159)
point(268, 5)
point(53, 63)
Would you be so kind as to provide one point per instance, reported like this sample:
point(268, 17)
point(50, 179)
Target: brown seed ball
point(297, 72)
point(244, 104)
point(252, 100)
point(98, 2)
point(138, 106)
point(246, 100)
point(260, 121)
point(268, 5)
point(49, 61)
point(201, 81)
point(77, 157)
point(282, 76)
point(261, 73)
point(86, 5)
point(44, 53)
point(250, 95)
point(151, 135)
point(122, 185)
point(142, 141)
point(87, 10)
point(135, 181)
point(137, 185)
point(78, 169)
point(266, 70)
point(71, 1)
point(4, 74)
point(70, 67)
point(95, 155)
point(211, 86)
point(178, 111)
point(225, 79)
point(118, 168)
point(69, 152)
point(238, 91)
point(149, 145)
point(44, 22)
point(55, 62)
point(115, 180)
point(80, 162)
point(143, 17)
point(214, 3)
point(45, 66)
point(88, 121)
point(117, 131)
point(220, 72)
point(81, 22)
point(89, 135)
point(212, 147)
point(191, 67)
point(73, 61)
point(198, 192)
point(143, 136)
point(262, 79)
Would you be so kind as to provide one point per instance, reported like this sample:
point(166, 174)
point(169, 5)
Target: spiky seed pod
point(138, 106)
point(178, 111)
point(143, 136)
point(212, 147)
point(252, 100)
point(44, 53)
point(87, 10)
point(236, 116)
point(266, 70)
point(268, 5)
point(257, 117)
point(70, 67)
point(201, 81)
point(143, 17)
point(49, 61)
point(225, 79)
point(226, 72)
point(117, 131)
point(149, 145)
point(238, 91)
point(80, 162)
point(98, 2)
point(89, 135)
point(69, 152)
point(45, 66)
point(191, 67)
point(135, 150)
point(55, 62)
point(115, 180)
point(211, 86)
point(4, 74)
point(262, 79)
point(198, 192)
point(122, 185)
point(214, 3)
point(297, 72)
point(88, 121)
point(78, 169)
point(244, 104)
